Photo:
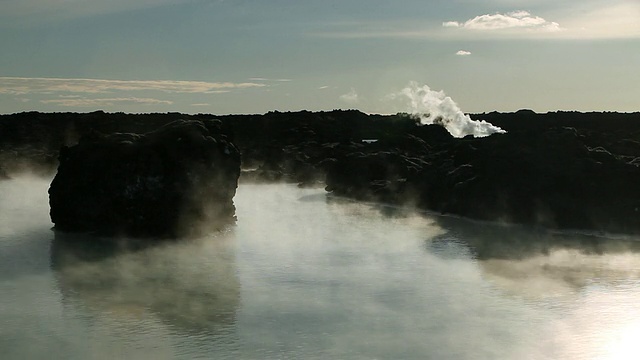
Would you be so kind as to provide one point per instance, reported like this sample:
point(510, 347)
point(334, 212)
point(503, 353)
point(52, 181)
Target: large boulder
point(175, 181)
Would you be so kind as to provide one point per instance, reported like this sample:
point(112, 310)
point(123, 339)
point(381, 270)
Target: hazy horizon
point(250, 57)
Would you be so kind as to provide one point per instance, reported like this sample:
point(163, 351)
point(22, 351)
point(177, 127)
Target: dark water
point(306, 277)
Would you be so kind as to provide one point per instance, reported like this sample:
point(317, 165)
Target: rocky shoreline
point(563, 170)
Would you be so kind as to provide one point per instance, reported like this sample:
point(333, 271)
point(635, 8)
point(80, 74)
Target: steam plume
point(435, 107)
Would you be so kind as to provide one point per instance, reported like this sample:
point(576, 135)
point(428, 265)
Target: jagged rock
point(173, 181)
point(548, 178)
point(558, 169)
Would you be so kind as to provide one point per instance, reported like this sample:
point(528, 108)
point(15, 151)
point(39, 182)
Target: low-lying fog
point(310, 277)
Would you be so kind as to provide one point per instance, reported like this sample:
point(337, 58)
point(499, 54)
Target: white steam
point(435, 107)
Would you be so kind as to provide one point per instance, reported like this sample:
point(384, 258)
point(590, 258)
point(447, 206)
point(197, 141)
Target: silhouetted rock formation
point(550, 178)
point(170, 182)
point(559, 169)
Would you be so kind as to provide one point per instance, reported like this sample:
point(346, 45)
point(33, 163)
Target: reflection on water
point(589, 282)
point(306, 276)
point(499, 241)
point(190, 285)
point(539, 262)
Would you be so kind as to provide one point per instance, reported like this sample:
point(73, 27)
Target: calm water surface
point(302, 276)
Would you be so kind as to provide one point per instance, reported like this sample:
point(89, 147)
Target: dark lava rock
point(558, 169)
point(549, 178)
point(177, 180)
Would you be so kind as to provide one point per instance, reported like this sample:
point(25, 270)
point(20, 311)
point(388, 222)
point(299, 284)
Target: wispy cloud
point(201, 104)
point(20, 85)
point(351, 97)
point(85, 102)
point(520, 19)
point(267, 79)
point(323, 87)
point(463, 53)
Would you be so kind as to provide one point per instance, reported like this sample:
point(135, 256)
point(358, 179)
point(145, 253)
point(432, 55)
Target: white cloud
point(201, 104)
point(615, 19)
point(323, 87)
point(351, 97)
point(516, 23)
point(18, 85)
point(513, 20)
point(451, 24)
point(463, 53)
point(84, 102)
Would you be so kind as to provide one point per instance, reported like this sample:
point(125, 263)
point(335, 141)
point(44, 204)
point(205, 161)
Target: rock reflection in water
point(190, 285)
point(537, 262)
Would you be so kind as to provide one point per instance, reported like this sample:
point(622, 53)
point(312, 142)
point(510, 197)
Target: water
point(302, 276)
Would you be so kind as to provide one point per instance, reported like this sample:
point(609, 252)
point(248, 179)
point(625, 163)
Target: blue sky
point(244, 56)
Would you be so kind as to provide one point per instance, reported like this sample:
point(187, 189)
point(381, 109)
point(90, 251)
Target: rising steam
point(435, 107)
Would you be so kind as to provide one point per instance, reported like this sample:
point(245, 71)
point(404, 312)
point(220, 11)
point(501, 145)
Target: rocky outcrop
point(174, 181)
point(558, 169)
point(550, 178)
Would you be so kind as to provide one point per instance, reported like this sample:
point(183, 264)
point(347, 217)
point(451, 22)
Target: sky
point(254, 56)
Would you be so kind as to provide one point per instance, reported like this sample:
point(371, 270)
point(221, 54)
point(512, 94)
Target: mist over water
point(435, 107)
point(306, 276)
